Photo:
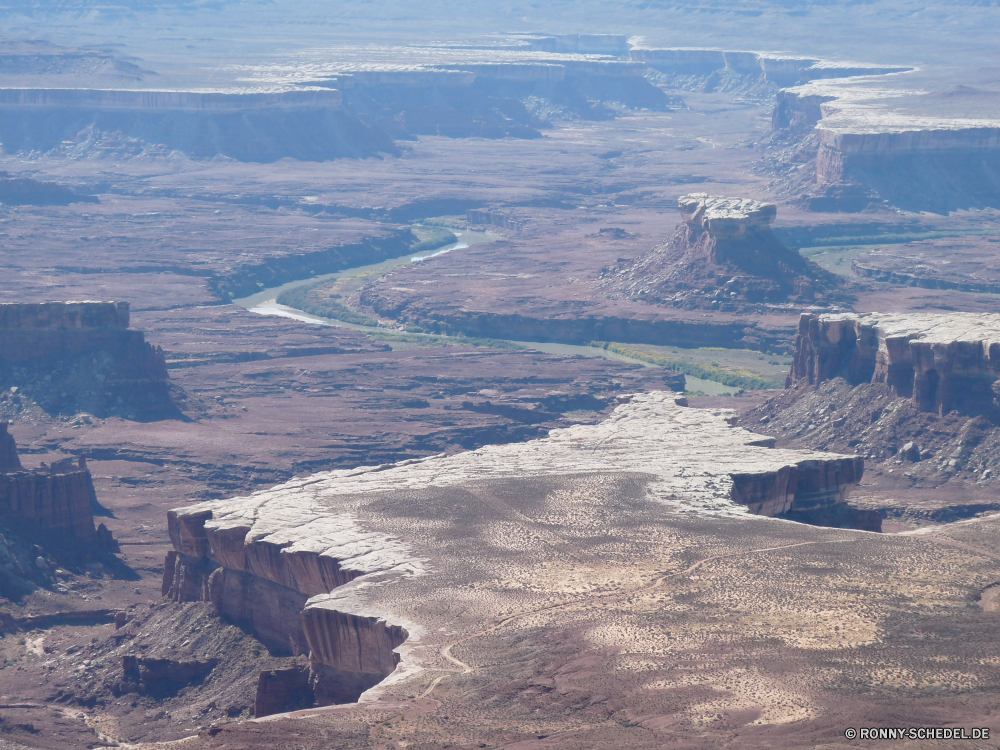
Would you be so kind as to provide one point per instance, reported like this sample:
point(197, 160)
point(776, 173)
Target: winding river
point(265, 302)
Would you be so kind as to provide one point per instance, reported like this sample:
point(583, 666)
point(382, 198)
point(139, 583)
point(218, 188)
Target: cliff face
point(942, 362)
point(871, 146)
point(81, 356)
point(294, 563)
point(54, 499)
point(271, 583)
point(724, 257)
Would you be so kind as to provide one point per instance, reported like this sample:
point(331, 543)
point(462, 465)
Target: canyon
point(283, 559)
point(525, 376)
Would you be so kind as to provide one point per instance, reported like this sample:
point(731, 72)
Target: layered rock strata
point(54, 499)
point(942, 362)
point(723, 257)
point(82, 356)
point(248, 125)
point(293, 562)
point(874, 145)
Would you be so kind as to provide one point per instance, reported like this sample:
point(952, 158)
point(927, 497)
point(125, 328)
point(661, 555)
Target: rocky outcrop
point(873, 145)
point(164, 675)
point(724, 257)
point(942, 362)
point(798, 111)
point(55, 500)
point(72, 357)
point(292, 563)
point(270, 583)
point(296, 563)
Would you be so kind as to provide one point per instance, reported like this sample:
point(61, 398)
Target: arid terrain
point(435, 375)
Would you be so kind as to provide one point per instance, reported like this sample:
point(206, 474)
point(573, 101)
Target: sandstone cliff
point(724, 257)
point(942, 362)
point(72, 357)
point(55, 500)
point(870, 146)
point(294, 563)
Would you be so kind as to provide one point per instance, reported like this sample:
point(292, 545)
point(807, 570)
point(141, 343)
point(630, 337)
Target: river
point(265, 302)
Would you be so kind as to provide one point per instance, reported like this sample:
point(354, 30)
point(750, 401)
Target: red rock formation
point(352, 643)
point(272, 610)
point(82, 356)
point(280, 690)
point(265, 585)
point(56, 498)
point(723, 257)
point(943, 362)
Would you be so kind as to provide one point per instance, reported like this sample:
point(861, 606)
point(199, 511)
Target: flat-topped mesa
point(72, 357)
point(942, 361)
point(54, 499)
point(726, 217)
point(934, 151)
point(294, 562)
point(723, 257)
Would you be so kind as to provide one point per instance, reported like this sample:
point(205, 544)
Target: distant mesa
point(871, 148)
point(48, 104)
point(250, 126)
point(73, 357)
point(724, 257)
point(943, 362)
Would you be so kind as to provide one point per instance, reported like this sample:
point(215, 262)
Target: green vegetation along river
point(708, 371)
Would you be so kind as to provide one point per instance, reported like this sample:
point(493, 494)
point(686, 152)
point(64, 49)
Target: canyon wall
point(776, 69)
point(271, 584)
point(146, 99)
point(942, 362)
point(296, 563)
point(82, 356)
point(53, 499)
point(868, 150)
point(249, 278)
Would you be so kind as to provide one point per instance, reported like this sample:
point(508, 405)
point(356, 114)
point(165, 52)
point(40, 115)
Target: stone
point(9, 460)
point(280, 690)
point(724, 257)
point(53, 499)
point(725, 217)
point(287, 561)
point(941, 361)
point(73, 357)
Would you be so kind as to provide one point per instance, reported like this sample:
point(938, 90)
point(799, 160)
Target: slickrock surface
point(316, 545)
point(943, 362)
point(724, 258)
